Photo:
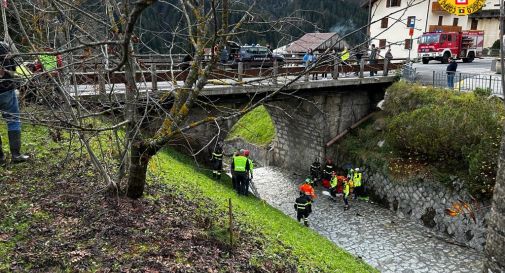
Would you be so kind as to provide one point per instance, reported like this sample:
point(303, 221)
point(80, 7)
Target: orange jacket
point(308, 190)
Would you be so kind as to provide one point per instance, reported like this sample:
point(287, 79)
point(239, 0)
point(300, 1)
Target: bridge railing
point(241, 71)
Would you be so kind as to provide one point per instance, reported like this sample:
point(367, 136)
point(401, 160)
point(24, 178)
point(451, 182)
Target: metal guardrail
point(468, 82)
point(463, 82)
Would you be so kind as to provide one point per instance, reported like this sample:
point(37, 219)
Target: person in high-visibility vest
point(217, 162)
point(303, 207)
point(346, 192)
point(245, 187)
point(241, 167)
point(232, 171)
point(333, 184)
point(345, 55)
point(358, 188)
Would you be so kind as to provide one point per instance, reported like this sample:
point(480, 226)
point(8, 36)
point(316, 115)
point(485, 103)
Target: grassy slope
point(283, 238)
point(314, 252)
point(255, 127)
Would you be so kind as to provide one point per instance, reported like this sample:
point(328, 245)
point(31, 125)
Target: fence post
point(459, 83)
point(362, 68)
point(490, 82)
point(335, 69)
point(240, 71)
point(230, 214)
point(275, 72)
point(386, 64)
point(154, 78)
point(433, 79)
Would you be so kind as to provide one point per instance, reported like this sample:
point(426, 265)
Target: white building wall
point(397, 30)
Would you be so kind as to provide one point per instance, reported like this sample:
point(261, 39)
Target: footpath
point(377, 235)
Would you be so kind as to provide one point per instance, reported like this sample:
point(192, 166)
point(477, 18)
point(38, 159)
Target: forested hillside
point(342, 16)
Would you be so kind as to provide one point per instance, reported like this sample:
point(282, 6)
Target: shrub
point(483, 92)
point(443, 126)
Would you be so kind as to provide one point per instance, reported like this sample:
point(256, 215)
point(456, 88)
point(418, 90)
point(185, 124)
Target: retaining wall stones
point(262, 156)
point(425, 202)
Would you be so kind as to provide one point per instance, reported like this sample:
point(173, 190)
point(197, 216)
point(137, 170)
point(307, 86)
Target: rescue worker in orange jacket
point(307, 188)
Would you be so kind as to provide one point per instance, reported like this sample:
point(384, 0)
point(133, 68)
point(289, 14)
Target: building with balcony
point(392, 19)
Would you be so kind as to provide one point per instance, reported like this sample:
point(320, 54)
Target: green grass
point(310, 251)
point(255, 127)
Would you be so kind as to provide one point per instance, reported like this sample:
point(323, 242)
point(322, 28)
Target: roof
point(315, 41)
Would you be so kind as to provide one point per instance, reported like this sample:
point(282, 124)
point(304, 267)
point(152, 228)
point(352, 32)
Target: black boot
point(2, 155)
point(15, 145)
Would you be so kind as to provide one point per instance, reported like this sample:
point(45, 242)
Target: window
point(449, 38)
point(384, 22)
point(475, 24)
point(440, 20)
point(455, 21)
point(382, 43)
point(393, 3)
point(407, 44)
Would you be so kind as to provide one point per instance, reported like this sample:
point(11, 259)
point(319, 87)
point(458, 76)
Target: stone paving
point(377, 235)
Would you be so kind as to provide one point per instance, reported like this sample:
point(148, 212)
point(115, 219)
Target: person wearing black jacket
point(451, 71)
point(9, 106)
point(303, 207)
point(217, 161)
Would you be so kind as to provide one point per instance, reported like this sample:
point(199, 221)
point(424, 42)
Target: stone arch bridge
point(306, 116)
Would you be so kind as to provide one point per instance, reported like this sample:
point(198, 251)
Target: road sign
point(462, 7)
point(411, 21)
point(411, 32)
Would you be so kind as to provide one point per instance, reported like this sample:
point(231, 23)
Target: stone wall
point(262, 156)
point(303, 127)
point(495, 246)
point(425, 202)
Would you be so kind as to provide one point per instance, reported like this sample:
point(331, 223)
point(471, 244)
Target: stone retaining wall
point(425, 202)
point(262, 156)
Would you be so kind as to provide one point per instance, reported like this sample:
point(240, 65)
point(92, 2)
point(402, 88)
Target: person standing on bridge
point(451, 71)
point(374, 54)
point(241, 167)
point(217, 161)
point(9, 106)
point(309, 60)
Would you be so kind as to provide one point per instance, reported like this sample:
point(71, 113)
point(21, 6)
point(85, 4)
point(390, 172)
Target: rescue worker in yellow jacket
point(240, 166)
point(358, 187)
point(346, 191)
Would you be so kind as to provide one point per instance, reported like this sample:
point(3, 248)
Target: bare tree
point(107, 34)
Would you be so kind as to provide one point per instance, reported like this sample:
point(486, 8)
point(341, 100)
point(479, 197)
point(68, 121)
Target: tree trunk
point(139, 159)
point(495, 244)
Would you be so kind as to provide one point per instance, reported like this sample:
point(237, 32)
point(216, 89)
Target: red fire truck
point(440, 46)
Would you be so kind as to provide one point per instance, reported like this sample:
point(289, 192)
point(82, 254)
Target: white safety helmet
point(357, 169)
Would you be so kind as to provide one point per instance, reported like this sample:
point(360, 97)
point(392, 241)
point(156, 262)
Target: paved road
point(379, 236)
point(478, 66)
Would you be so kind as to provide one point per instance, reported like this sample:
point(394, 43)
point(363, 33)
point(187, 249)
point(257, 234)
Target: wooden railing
point(239, 73)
